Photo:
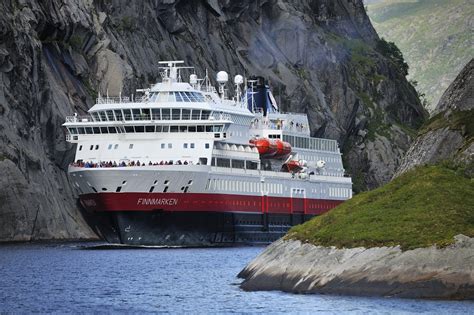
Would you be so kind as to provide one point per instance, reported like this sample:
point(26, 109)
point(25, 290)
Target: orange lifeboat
point(283, 149)
point(265, 147)
point(292, 166)
point(272, 148)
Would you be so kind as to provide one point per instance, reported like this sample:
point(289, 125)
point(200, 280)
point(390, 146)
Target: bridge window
point(155, 114)
point(185, 145)
point(129, 129)
point(162, 145)
point(112, 130)
point(192, 128)
point(192, 145)
point(158, 129)
point(165, 113)
point(186, 113)
point(170, 145)
point(95, 116)
point(205, 114)
point(206, 145)
point(130, 146)
point(195, 114)
point(136, 114)
point(103, 117)
point(115, 147)
point(127, 114)
point(97, 147)
point(104, 130)
point(96, 130)
point(139, 129)
point(118, 114)
point(175, 114)
point(145, 114)
point(110, 115)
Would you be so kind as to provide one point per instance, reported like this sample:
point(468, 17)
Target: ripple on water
point(63, 279)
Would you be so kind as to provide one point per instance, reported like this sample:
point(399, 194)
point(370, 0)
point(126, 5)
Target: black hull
point(194, 228)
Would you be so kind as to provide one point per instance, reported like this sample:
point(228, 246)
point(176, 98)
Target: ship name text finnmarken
point(158, 201)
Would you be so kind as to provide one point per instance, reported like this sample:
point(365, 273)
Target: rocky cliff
point(449, 134)
point(321, 57)
point(382, 271)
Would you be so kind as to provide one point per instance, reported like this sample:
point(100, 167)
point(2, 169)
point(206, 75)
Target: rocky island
point(410, 238)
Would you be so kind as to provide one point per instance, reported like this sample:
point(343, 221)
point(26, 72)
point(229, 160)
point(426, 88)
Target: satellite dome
point(193, 79)
point(222, 77)
point(238, 79)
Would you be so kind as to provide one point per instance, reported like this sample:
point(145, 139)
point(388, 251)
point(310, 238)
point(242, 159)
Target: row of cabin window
point(151, 114)
point(311, 143)
point(130, 146)
point(176, 97)
point(339, 192)
point(231, 163)
point(243, 186)
point(140, 129)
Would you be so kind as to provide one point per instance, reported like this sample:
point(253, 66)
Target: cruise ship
point(186, 164)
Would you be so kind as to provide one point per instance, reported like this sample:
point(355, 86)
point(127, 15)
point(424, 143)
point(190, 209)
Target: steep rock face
point(449, 134)
point(320, 57)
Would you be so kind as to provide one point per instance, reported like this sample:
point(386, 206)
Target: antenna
point(252, 93)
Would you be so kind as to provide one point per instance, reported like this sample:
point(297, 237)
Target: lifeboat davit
point(269, 148)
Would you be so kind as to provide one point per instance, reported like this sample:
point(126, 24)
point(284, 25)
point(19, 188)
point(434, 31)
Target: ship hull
point(192, 229)
point(197, 219)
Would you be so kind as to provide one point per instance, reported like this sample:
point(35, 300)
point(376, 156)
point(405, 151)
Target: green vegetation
point(426, 206)
point(127, 23)
point(76, 42)
point(391, 51)
point(376, 125)
point(456, 120)
point(434, 36)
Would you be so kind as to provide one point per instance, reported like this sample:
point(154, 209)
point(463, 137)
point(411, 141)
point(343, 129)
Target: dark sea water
point(61, 278)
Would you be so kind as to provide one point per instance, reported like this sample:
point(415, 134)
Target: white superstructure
point(179, 138)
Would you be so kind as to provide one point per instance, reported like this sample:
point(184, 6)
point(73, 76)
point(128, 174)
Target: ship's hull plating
point(198, 219)
point(195, 229)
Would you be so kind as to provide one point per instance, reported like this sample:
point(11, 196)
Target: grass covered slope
point(428, 205)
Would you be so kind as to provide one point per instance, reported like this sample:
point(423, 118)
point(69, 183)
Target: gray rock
point(449, 140)
point(56, 56)
point(431, 273)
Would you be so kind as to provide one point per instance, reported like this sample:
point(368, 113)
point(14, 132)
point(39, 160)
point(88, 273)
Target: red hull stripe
point(204, 202)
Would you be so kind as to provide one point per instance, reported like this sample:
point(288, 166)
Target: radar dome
point(193, 79)
point(222, 77)
point(238, 79)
